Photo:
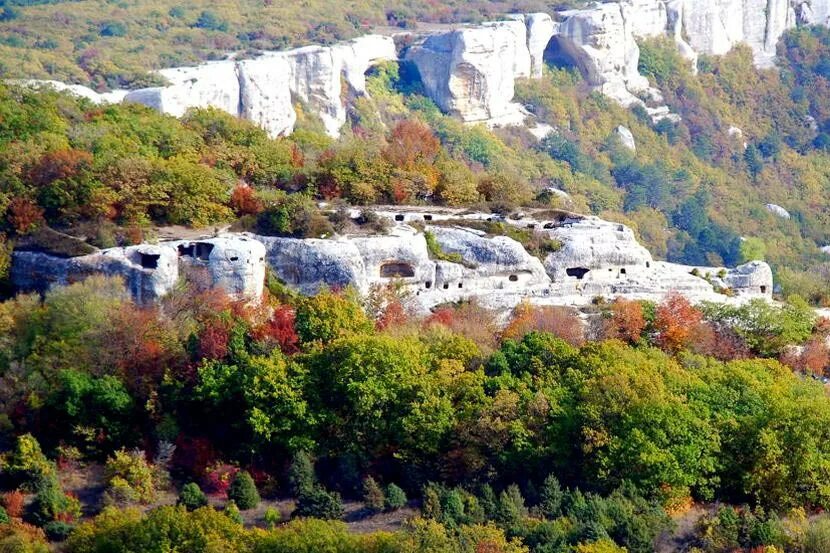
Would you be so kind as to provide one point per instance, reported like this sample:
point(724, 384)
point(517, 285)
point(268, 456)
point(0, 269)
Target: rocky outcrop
point(540, 28)
point(471, 72)
point(262, 89)
point(235, 264)
point(596, 258)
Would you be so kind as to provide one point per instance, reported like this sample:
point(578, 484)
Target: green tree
point(243, 492)
point(373, 497)
point(395, 498)
point(192, 497)
point(329, 315)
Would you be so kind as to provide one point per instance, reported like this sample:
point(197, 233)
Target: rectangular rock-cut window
point(763, 289)
point(399, 217)
point(202, 250)
point(186, 250)
point(513, 278)
point(149, 260)
point(622, 271)
point(397, 269)
point(427, 217)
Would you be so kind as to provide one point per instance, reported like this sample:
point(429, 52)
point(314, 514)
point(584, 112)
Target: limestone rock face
point(647, 18)
point(601, 42)
point(753, 278)
point(591, 243)
point(233, 263)
point(213, 84)
point(263, 98)
point(540, 29)
point(261, 89)
point(148, 271)
point(470, 72)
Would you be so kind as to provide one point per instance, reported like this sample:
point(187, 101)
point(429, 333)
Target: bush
point(13, 501)
point(272, 517)
point(51, 503)
point(232, 512)
point(4, 516)
point(319, 503)
point(192, 497)
point(58, 530)
point(373, 497)
point(27, 465)
point(395, 498)
point(130, 477)
point(243, 491)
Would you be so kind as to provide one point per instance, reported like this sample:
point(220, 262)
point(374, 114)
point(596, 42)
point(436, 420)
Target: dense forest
point(539, 436)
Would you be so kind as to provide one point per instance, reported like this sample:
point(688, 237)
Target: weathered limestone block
point(149, 272)
point(753, 278)
point(777, 210)
point(264, 95)
point(470, 72)
point(626, 138)
point(602, 45)
point(540, 29)
point(590, 244)
point(234, 263)
point(311, 264)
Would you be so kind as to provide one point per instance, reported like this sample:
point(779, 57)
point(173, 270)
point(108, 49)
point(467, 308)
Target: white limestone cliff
point(471, 72)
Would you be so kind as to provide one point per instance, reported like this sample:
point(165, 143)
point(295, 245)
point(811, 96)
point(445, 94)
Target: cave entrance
point(578, 272)
point(396, 269)
point(557, 55)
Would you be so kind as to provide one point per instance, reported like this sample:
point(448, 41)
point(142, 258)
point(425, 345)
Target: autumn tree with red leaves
point(559, 321)
point(626, 321)
point(675, 322)
point(24, 215)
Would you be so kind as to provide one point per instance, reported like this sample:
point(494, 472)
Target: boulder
point(626, 138)
point(777, 210)
point(112, 97)
point(234, 263)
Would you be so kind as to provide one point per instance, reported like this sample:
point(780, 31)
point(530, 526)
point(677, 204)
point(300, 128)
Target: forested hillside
point(694, 191)
point(108, 44)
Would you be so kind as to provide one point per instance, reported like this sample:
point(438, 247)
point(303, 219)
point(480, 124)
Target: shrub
point(272, 517)
point(27, 464)
point(243, 491)
point(4, 516)
point(218, 477)
point(51, 503)
point(130, 470)
point(58, 530)
point(232, 512)
point(14, 502)
point(192, 496)
point(373, 497)
point(395, 498)
point(319, 503)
